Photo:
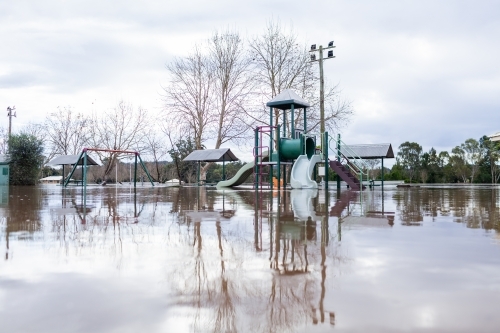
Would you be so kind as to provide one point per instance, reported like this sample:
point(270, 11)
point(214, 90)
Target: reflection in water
point(279, 300)
point(476, 207)
point(232, 260)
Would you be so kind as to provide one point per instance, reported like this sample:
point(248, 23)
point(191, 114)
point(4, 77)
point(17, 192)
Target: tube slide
point(242, 174)
point(238, 179)
point(302, 171)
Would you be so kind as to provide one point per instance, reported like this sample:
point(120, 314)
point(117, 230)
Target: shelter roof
point(212, 155)
point(285, 99)
point(495, 137)
point(52, 178)
point(4, 159)
point(368, 151)
point(71, 160)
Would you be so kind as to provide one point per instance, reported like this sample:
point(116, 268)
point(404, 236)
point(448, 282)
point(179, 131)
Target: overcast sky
point(423, 71)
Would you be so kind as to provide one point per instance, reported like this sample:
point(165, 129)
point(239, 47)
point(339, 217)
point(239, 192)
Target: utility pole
point(10, 113)
point(321, 78)
point(323, 133)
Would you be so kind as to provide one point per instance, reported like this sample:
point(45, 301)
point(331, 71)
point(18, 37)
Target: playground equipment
point(83, 160)
point(297, 150)
point(352, 170)
point(243, 173)
point(350, 160)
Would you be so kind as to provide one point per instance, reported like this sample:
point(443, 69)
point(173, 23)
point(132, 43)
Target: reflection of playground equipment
point(302, 204)
point(342, 203)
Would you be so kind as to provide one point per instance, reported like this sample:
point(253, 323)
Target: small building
point(4, 169)
point(51, 180)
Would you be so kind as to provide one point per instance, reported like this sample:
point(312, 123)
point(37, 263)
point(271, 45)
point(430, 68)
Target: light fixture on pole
point(11, 113)
point(321, 79)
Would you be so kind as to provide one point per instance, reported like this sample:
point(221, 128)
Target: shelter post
point(198, 173)
point(255, 154)
point(338, 159)
point(135, 171)
point(292, 115)
point(84, 179)
point(305, 121)
point(382, 173)
point(271, 144)
point(223, 168)
point(278, 160)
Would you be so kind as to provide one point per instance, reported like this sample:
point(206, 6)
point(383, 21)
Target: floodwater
point(203, 260)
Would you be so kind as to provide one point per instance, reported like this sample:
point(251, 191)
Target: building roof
point(4, 159)
point(495, 137)
point(212, 155)
point(368, 151)
point(52, 178)
point(71, 160)
point(285, 99)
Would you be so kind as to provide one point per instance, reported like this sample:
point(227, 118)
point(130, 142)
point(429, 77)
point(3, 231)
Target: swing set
point(84, 156)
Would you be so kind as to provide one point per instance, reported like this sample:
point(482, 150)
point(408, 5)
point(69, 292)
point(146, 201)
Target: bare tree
point(67, 131)
point(188, 94)
point(372, 164)
point(281, 62)
point(209, 92)
point(121, 128)
point(155, 146)
point(232, 86)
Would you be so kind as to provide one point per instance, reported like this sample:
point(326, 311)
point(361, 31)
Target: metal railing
point(352, 160)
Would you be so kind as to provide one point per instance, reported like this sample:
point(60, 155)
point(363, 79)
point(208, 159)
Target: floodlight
point(313, 57)
point(330, 44)
point(313, 47)
point(330, 54)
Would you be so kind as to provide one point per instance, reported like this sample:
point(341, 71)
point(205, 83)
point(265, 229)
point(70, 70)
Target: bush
point(25, 159)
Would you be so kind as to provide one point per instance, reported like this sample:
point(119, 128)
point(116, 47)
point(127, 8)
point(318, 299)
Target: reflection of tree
point(109, 217)
point(476, 207)
point(23, 213)
point(409, 206)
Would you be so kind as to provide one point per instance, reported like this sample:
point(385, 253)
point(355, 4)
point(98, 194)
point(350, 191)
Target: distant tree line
point(473, 161)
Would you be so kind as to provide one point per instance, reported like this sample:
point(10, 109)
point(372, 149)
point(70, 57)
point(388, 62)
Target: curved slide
point(302, 171)
point(242, 174)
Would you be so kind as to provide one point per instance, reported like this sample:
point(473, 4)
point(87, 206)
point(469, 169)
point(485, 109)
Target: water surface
point(203, 260)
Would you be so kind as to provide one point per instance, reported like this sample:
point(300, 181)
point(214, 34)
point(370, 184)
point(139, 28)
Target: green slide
point(240, 177)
